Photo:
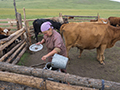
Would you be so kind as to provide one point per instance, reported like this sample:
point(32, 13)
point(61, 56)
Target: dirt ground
point(87, 65)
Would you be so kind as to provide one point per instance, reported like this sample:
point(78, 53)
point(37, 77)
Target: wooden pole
point(15, 8)
point(60, 14)
point(27, 28)
point(37, 82)
point(19, 20)
point(72, 79)
point(20, 55)
point(11, 51)
point(15, 53)
point(16, 14)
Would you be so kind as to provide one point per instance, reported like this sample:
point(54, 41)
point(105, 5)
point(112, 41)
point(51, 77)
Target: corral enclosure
point(86, 66)
point(15, 53)
point(76, 67)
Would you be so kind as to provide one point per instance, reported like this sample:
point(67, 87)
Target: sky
point(115, 0)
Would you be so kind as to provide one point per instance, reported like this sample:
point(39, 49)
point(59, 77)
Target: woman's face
point(48, 32)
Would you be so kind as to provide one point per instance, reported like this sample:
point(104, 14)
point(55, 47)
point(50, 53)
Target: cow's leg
point(98, 53)
point(102, 49)
point(36, 36)
point(68, 48)
point(81, 50)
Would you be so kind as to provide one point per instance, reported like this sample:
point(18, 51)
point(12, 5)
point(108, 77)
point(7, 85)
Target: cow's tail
point(62, 30)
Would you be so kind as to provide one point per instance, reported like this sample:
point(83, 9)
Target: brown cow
point(87, 35)
point(4, 31)
point(114, 21)
point(101, 20)
point(60, 20)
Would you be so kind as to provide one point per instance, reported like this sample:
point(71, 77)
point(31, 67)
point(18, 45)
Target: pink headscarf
point(45, 26)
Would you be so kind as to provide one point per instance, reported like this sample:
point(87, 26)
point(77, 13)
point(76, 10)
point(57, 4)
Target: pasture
point(87, 65)
point(47, 8)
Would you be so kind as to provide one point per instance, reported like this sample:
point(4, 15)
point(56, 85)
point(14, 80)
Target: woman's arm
point(56, 50)
point(41, 42)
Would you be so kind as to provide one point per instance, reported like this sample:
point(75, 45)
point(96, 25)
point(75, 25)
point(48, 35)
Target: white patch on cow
point(5, 31)
point(104, 22)
point(17, 40)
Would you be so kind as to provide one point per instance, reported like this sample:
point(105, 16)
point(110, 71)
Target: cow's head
point(60, 20)
point(4, 31)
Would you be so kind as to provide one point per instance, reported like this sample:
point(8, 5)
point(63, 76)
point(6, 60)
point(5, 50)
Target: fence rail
point(76, 18)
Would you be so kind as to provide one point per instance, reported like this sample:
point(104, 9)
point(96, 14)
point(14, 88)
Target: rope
point(43, 83)
point(102, 84)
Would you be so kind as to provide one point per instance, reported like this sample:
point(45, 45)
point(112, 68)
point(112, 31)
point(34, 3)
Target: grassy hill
point(48, 8)
point(61, 4)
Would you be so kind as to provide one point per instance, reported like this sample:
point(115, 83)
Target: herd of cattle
point(99, 34)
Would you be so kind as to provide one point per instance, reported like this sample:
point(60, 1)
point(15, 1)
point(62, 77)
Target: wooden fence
point(15, 53)
point(76, 18)
point(8, 23)
point(14, 50)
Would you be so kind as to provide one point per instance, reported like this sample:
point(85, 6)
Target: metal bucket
point(59, 61)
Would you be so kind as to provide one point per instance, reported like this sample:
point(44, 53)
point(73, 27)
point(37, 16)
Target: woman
point(53, 40)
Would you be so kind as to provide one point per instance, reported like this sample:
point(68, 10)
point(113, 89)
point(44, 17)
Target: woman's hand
point(38, 43)
point(44, 57)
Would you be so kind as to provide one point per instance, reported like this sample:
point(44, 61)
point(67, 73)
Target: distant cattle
point(87, 35)
point(56, 24)
point(4, 31)
point(101, 20)
point(114, 21)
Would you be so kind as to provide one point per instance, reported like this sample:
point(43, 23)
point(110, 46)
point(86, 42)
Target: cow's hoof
point(68, 62)
point(102, 63)
point(79, 56)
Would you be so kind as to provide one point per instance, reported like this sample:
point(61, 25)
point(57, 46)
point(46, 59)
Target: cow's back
point(84, 35)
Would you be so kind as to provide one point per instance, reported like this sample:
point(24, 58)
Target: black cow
point(3, 36)
point(38, 22)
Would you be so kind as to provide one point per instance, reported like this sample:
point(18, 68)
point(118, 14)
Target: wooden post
point(15, 8)
point(98, 17)
point(27, 28)
point(16, 14)
point(60, 14)
point(20, 24)
point(19, 20)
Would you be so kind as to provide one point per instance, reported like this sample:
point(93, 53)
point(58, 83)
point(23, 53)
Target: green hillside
point(61, 4)
point(48, 8)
